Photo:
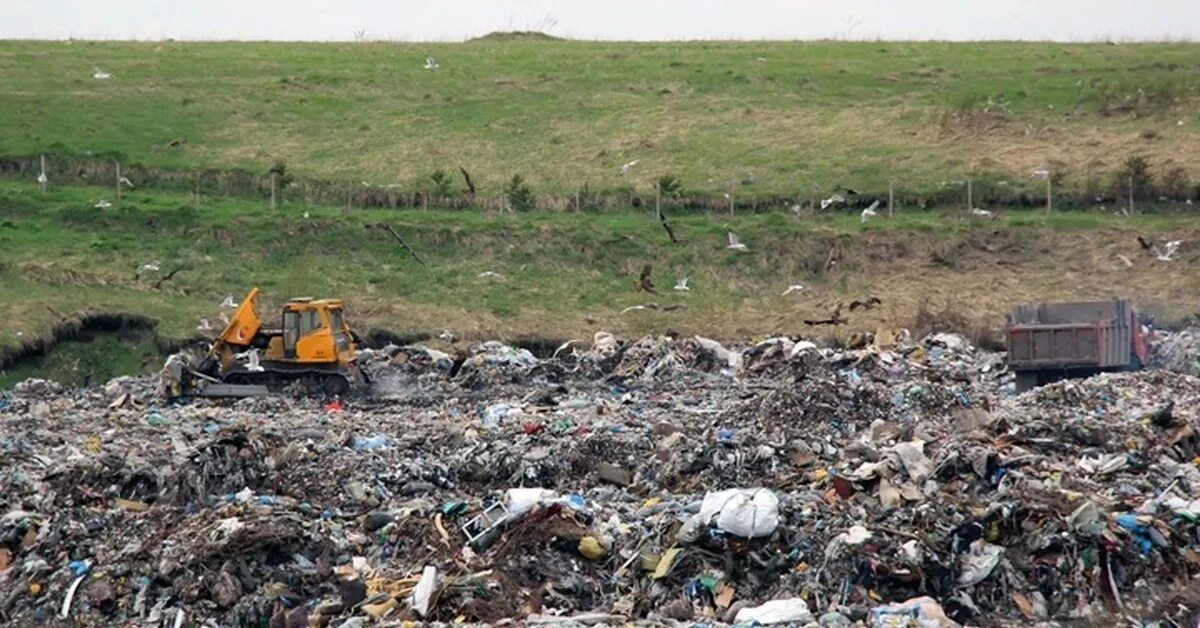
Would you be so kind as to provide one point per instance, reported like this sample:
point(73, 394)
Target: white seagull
point(735, 244)
point(982, 213)
point(430, 63)
point(229, 302)
point(125, 182)
point(42, 179)
point(681, 284)
point(1040, 173)
point(204, 325)
point(625, 168)
point(102, 204)
point(487, 274)
point(1169, 254)
point(151, 266)
point(251, 358)
point(97, 73)
point(448, 336)
point(792, 288)
point(868, 212)
point(832, 200)
point(563, 347)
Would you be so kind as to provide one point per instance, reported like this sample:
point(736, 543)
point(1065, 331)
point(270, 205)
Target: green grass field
point(563, 275)
point(770, 118)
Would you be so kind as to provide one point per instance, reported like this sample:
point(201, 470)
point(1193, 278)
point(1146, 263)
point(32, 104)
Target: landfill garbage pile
point(1178, 351)
point(898, 482)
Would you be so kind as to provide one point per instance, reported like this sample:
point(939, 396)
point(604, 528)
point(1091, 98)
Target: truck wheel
point(1026, 380)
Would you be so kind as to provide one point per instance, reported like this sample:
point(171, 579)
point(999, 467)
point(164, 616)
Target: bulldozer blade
point(234, 390)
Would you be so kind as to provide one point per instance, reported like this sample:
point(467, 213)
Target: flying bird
point(487, 274)
point(1168, 255)
point(834, 319)
point(792, 288)
point(836, 199)
point(431, 63)
point(204, 325)
point(681, 284)
point(563, 347)
point(870, 303)
point(152, 266)
point(625, 168)
point(645, 282)
point(125, 182)
point(868, 212)
point(470, 191)
point(102, 204)
point(653, 306)
point(229, 302)
point(448, 336)
point(1040, 173)
point(251, 358)
point(983, 213)
point(97, 73)
point(735, 244)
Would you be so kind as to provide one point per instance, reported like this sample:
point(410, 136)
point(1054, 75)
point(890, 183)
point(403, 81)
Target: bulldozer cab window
point(340, 340)
point(310, 321)
point(291, 333)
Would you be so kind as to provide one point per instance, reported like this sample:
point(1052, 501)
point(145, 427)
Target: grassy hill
point(780, 123)
point(768, 119)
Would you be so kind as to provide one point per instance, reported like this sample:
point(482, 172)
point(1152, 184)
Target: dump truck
point(313, 348)
point(1052, 341)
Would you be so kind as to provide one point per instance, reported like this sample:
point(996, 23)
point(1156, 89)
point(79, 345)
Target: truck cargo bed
point(1069, 335)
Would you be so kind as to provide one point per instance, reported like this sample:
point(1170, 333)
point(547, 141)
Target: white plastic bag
point(791, 610)
point(744, 512)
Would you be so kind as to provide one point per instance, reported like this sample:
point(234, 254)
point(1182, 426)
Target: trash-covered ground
point(664, 480)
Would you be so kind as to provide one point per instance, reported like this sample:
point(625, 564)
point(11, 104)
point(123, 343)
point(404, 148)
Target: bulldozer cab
point(313, 331)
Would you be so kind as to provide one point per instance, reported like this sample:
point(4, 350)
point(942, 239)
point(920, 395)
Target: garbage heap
point(895, 483)
point(1178, 351)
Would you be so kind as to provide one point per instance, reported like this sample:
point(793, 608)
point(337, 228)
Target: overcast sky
point(453, 20)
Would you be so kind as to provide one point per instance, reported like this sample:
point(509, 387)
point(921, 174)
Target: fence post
point(891, 200)
point(1131, 210)
point(1049, 196)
